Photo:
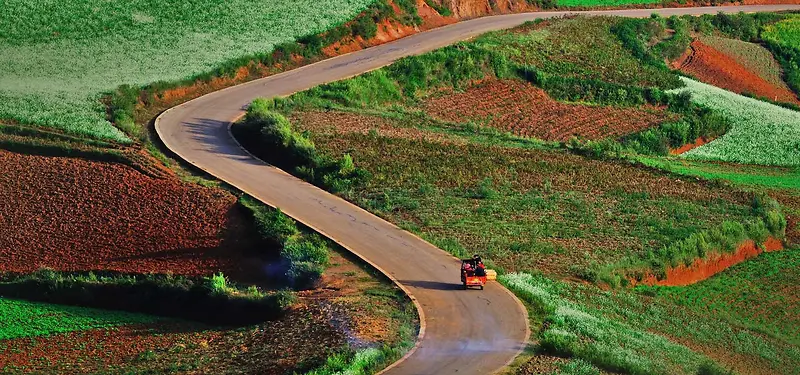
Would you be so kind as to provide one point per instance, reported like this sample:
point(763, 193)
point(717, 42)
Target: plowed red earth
point(72, 214)
point(528, 111)
point(714, 67)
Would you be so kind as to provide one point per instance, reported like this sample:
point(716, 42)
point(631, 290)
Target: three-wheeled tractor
point(473, 273)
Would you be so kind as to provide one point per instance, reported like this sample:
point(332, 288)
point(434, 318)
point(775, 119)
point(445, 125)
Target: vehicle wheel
point(481, 287)
point(465, 286)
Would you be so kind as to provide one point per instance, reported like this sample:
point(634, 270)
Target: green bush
point(269, 135)
point(303, 256)
point(211, 300)
point(364, 27)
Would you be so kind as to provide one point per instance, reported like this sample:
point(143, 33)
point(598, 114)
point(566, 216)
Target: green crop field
point(750, 175)
point(762, 133)
point(28, 319)
point(644, 332)
point(58, 57)
point(738, 295)
point(785, 32)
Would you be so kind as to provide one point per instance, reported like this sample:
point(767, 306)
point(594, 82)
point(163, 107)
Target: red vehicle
point(473, 273)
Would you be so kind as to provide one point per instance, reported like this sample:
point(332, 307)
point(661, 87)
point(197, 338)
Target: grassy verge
point(634, 333)
point(212, 300)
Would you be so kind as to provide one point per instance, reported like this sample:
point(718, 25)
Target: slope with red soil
point(713, 264)
point(714, 67)
point(525, 110)
point(73, 214)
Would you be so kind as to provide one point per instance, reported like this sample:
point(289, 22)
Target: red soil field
point(715, 263)
point(713, 67)
point(528, 111)
point(72, 214)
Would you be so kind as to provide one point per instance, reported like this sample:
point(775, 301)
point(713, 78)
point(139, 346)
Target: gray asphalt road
point(464, 332)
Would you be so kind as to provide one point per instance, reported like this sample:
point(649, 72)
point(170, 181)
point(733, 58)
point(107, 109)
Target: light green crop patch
point(29, 319)
point(58, 57)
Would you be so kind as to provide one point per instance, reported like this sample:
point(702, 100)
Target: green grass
point(738, 294)
point(57, 58)
point(785, 32)
point(29, 319)
point(632, 332)
point(761, 133)
point(754, 176)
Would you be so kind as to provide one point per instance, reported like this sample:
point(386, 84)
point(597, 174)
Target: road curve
point(464, 332)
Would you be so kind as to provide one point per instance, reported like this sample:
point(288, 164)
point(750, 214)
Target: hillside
point(530, 158)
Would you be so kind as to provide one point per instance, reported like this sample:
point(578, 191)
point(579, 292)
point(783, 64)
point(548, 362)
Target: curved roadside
point(469, 332)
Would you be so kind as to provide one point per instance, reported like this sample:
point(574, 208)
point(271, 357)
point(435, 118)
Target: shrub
point(269, 135)
point(303, 256)
point(211, 300)
point(365, 27)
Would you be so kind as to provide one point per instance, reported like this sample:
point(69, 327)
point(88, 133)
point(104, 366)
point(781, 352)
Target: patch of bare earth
point(714, 67)
point(525, 110)
point(72, 214)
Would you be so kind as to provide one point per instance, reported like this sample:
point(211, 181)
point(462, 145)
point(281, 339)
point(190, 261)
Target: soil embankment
point(714, 67)
point(713, 264)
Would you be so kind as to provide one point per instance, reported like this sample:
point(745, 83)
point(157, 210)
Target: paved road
point(464, 332)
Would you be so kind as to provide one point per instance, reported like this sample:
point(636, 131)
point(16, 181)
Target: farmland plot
point(57, 57)
point(524, 110)
point(762, 133)
point(752, 56)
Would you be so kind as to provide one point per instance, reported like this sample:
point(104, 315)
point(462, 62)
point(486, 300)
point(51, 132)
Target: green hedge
point(269, 135)
point(303, 255)
point(209, 300)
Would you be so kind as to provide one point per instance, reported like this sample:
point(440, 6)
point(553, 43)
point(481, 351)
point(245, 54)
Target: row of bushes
point(303, 255)
point(769, 221)
point(269, 135)
point(211, 300)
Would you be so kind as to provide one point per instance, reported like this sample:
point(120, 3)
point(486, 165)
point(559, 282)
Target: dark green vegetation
point(211, 300)
point(303, 255)
point(272, 136)
point(541, 211)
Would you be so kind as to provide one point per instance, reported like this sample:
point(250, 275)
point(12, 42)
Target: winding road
point(464, 332)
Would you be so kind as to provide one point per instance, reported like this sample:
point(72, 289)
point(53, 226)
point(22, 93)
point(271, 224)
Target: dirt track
point(465, 332)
